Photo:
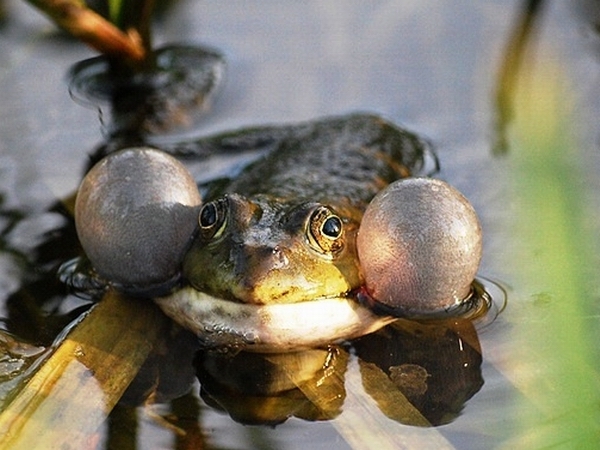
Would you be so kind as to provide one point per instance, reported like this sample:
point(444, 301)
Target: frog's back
point(340, 161)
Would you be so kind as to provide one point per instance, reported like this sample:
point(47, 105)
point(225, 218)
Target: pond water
point(431, 66)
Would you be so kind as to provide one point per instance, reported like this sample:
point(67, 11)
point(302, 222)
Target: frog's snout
point(255, 266)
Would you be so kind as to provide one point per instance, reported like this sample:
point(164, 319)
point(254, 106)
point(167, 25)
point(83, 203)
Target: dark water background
point(431, 66)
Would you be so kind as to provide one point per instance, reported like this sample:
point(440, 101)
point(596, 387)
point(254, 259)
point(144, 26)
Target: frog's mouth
point(270, 328)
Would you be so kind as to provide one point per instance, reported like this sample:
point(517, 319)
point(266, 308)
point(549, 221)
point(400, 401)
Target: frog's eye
point(213, 219)
point(332, 227)
point(325, 230)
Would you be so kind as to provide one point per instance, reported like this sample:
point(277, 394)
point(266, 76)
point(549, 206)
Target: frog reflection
point(435, 366)
point(429, 369)
point(256, 388)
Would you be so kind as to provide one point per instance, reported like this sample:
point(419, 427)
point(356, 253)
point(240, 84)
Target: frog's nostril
point(279, 258)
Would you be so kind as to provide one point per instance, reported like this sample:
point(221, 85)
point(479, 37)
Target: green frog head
point(263, 250)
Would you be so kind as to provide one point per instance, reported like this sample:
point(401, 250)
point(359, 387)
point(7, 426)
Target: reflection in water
point(164, 380)
point(39, 310)
point(155, 101)
point(436, 366)
point(12, 259)
point(167, 373)
point(418, 373)
point(267, 389)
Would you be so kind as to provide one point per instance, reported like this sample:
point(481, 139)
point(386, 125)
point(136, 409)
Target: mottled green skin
point(265, 254)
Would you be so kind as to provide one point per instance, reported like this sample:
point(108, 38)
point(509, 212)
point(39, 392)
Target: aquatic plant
point(123, 35)
point(551, 222)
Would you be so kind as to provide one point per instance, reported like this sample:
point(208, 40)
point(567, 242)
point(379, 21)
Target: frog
point(268, 258)
point(273, 262)
point(284, 230)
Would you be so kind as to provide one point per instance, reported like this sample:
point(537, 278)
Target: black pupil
point(208, 215)
point(332, 227)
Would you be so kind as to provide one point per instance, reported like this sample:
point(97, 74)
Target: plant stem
point(72, 392)
point(83, 23)
point(134, 15)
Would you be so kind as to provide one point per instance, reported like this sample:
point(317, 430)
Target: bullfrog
point(284, 230)
point(326, 236)
point(273, 262)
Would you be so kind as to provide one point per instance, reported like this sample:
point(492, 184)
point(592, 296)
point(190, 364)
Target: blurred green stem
point(563, 406)
point(519, 39)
